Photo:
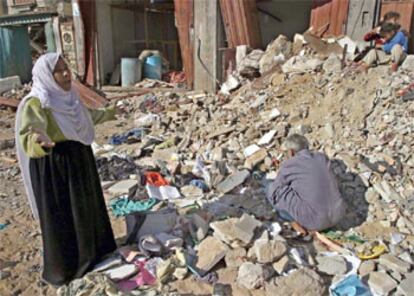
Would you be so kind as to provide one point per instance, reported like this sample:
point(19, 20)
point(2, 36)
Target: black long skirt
point(75, 226)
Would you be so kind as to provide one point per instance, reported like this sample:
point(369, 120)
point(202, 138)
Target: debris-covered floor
point(196, 165)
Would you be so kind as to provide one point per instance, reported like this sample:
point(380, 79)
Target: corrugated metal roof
point(26, 18)
point(328, 17)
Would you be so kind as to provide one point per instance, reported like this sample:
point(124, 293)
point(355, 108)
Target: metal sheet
point(329, 17)
point(241, 23)
point(15, 54)
point(184, 16)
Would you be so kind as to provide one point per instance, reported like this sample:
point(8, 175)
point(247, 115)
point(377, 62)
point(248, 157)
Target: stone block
point(381, 282)
point(233, 181)
point(210, 252)
point(124, 187)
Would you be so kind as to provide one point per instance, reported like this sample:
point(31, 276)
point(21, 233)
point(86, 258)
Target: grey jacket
point(306, 188)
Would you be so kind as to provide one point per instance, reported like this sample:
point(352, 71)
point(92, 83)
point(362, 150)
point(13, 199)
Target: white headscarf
point(72, 117)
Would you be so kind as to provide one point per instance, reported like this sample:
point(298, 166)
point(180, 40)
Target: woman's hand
point(42, 138)
point(119, 107)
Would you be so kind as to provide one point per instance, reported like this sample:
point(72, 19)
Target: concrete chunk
point(233, 181)
point(394, 263)
point(267, 138)
point(381, 282)
point(406, 287)
point(123, 187)
point(210, 252)
point(246, 227)
point(332, 265)
point(255, 159)
point(269, 251)
point(235, 257)
point(281, 265)
point(251, 276)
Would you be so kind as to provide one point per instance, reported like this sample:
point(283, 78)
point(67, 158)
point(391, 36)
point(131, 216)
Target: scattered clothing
point(200, 184)
point(306, 189)
point(373, 36)
point(155, 179)
point(3, 225)
point(350, 286)
point(124, 206)
point(131, 136)
point(116, 168)
point(143, 278)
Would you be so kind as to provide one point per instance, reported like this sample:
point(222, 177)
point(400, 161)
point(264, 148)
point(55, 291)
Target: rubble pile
point(194, 168)
point(215, 153)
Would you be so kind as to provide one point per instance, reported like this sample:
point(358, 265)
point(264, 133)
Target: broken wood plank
point(89, 97)
point(13, 103)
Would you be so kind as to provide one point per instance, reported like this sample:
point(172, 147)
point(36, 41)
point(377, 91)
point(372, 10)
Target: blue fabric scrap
point(124, 206)
point(350, 286)
point(134, 134)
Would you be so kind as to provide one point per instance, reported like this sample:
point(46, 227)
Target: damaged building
point(192, 41)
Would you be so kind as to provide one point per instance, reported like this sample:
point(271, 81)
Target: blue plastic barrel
point(131, 71)
point(152, 67)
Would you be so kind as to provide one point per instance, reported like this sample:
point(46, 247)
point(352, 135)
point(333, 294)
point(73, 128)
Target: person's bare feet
point(394, 67)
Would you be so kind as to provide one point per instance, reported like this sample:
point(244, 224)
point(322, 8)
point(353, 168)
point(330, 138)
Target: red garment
point(155, 179)
point(373, 36)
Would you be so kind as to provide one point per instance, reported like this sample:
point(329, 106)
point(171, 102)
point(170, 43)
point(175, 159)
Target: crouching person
point(305, 191)
point(394, 49)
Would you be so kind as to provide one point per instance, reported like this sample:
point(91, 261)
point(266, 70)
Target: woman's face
point(62, 75)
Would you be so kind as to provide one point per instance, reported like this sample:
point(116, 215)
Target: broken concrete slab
point(225, 230)
point(246, 226)
point(332, 265)
point(268, 251)
point(281, 265)
point(233, 181)
point(125, 187)
point(250, 275)
point(255, 159)
point(303, 281)
point(408, 63)
point(381, 282)
point(406, 287)
point(393, 263)
point(228, 233)
point(199, 227)
point(210, 252)
point(333, 64)
point(270, 115)
point(267, 138)
point(235, 257)
point(276, 53)
point(366, 267)
point(250, 150)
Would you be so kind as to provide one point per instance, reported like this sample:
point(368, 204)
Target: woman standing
point(54, 131)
